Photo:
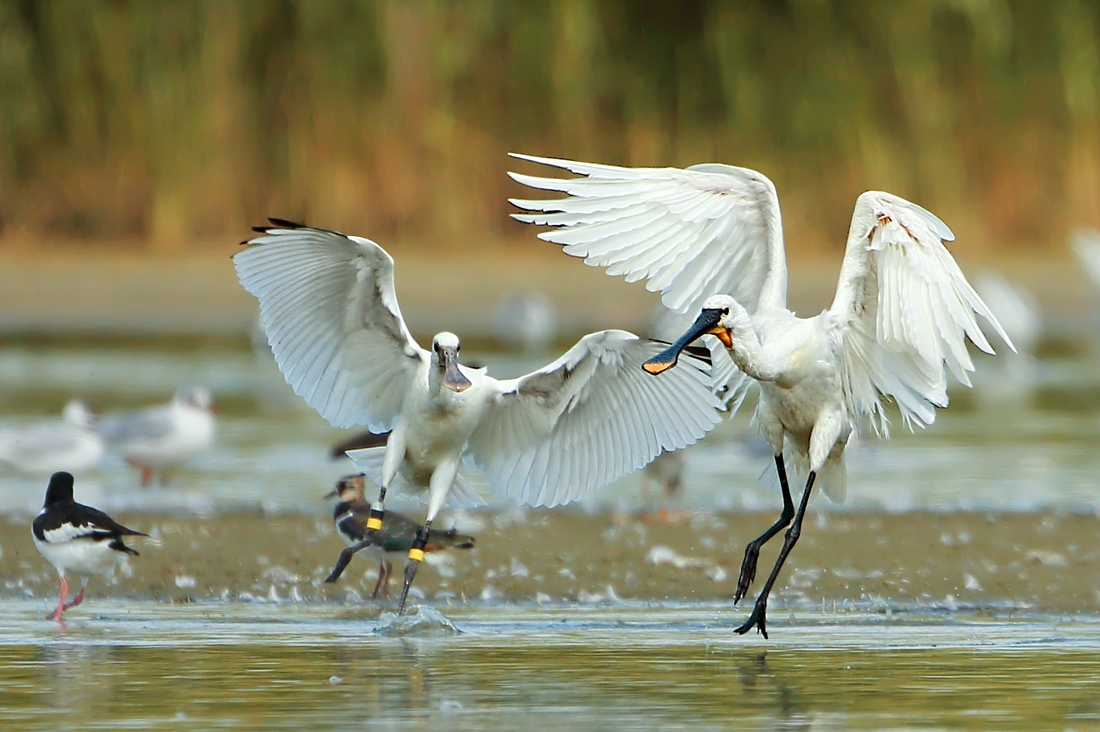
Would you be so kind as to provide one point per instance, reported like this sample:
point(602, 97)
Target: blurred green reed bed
point(164, 124)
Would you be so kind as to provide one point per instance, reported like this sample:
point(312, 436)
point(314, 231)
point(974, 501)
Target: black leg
point(346, 555)
point(752, 551)
point(758, 617)
point(416, 555)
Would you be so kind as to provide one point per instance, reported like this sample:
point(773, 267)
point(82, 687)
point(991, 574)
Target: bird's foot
point(758, 619)
point(748, 571)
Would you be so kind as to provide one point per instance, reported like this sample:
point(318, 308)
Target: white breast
point(84, 557)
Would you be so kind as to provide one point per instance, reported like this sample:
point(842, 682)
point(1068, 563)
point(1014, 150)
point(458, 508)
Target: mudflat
point(1042, 562)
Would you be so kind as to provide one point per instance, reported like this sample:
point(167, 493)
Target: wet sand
point(877, 562)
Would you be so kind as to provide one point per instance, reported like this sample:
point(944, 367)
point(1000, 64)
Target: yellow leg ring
point(374, 524)
point(416, 555)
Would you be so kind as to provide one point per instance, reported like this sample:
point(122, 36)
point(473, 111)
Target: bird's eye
point(725, 311)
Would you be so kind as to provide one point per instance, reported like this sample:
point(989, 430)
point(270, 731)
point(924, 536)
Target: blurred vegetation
point(163, 124)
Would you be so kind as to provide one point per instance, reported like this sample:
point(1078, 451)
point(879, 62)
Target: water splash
point(421, 622)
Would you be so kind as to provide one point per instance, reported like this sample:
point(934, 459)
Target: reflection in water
point(143, 667)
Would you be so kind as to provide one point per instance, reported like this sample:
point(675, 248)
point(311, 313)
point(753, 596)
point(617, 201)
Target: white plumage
point(161, 436)
point(68, 444)
point(330, 311)
point(710, 239)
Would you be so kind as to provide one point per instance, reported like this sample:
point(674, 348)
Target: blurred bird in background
point(70, 443)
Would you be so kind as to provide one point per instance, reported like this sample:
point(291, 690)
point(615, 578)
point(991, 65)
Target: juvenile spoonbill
point(77, 538)
point(394, 539)
point(330, 311)
point(710, 239)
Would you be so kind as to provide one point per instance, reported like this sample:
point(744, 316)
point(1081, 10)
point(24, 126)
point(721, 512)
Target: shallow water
point(1011, 444)
point(136, 664)
point(149, 666)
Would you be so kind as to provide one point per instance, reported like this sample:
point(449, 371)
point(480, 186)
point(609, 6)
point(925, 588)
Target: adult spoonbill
point(330, 311)
point(710, 239)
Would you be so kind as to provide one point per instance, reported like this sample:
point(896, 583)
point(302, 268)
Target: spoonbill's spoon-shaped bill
point(331, 314)
point(709, 238)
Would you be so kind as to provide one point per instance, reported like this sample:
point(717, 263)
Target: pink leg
point(61, 603)
point(381, 577)
point(386, 583)
point(78, 599)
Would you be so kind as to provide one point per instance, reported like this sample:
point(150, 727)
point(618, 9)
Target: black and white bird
point(390, 542)
point(330, 311)
point(77, 538)
point(710, 239)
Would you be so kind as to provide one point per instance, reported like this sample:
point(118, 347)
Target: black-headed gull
point(392, 541)
point(77, 538)
point(329, 307)
point(710, 239)
point(69, 443)
point(162, 436)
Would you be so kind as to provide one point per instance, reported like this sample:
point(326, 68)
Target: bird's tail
point(118, 546)
point(450, 539)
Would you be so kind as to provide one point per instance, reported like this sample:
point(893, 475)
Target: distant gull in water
point(160, 437)
point(526, 321)
point(68, 443)
point(710, 239)
point(77, 538)
point(1008, 381)
point(330, 311)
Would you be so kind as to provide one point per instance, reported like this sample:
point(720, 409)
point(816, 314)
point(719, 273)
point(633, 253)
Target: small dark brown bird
point(394, 538)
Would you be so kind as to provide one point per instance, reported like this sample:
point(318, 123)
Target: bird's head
point(349, 489)
point(445, 350)
point(78, 413)
point(60, 489)
point(713, 320)
point(197, 397)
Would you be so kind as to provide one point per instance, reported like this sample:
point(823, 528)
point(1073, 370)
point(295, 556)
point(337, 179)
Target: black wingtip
point(286, 223)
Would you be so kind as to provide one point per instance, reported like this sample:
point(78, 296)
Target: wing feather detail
point(905, 311)
point(690, 233)
point(329, 308)
point(589, 418)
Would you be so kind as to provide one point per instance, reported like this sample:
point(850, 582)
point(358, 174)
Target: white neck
point(747, 351)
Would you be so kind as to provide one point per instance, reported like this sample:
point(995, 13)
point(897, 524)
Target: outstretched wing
point(589, 418)
point(328, 305)
point(905, 310)
point(710, 229)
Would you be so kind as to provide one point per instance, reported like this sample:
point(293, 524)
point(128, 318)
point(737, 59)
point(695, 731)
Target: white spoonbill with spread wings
point(710, 239)
point(330, 311)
